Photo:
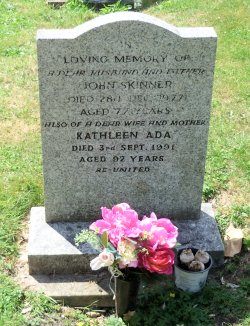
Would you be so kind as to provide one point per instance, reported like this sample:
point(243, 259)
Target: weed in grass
point(246, 240)
point(114, 321)
point(245, 283)
point(232, 266)
point(115, 7)
point(12, 51)
point(76, 5)
point(40, 309)
point(240, 215)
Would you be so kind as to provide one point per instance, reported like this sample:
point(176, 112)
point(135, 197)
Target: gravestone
point(125, 105)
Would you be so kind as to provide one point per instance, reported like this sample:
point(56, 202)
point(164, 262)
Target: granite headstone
point(125, 105)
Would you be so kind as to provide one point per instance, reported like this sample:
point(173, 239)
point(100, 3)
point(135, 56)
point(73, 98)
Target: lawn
point(227, 169)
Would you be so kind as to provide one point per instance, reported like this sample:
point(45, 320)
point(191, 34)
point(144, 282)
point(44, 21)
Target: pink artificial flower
point(159, 260)
point(158, 232)
point(120, 221)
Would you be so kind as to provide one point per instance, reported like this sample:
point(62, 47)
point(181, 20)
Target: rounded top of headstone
point(125, 16)
point(121, 17)
point(100, 21)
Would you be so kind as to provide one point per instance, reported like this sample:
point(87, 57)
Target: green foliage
point(225, 302)
point(232, 265)
point(19, 189)
point(246, 241)
point(104, 239)
point(217, 175)
point(245, 283)
point(114, 7)
point(76, 5)
point(87, 236)
point(176, 5)
point(166, 306)
point(40, 306)
point(11, 302)
point(238, 216)
point(114, 321)
point(12, 51)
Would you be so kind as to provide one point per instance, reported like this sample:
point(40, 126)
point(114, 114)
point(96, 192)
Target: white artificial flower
point(104, 259)
point(127, 251)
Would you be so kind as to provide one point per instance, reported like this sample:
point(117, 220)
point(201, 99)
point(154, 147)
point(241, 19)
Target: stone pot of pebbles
point(191, 269)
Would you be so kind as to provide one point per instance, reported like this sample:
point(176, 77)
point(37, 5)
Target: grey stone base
point(51, 246)
point(202, 234)
point(76, 290)
point(63, 271)
point(59, 268)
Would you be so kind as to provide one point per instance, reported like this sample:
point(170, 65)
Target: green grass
point(228, 149)
point(210, 307)
point(21, 182)
point(11, 302)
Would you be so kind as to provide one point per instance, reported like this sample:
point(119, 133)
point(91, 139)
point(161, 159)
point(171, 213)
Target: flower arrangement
point(124, 241)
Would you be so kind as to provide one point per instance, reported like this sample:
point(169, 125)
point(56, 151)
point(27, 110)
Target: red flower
point(159, 260)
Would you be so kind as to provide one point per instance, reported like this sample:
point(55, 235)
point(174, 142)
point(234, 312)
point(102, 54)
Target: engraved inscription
point(126, 108)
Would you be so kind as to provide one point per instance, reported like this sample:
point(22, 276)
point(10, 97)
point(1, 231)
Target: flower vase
point(126, 291)
point(191, 281)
